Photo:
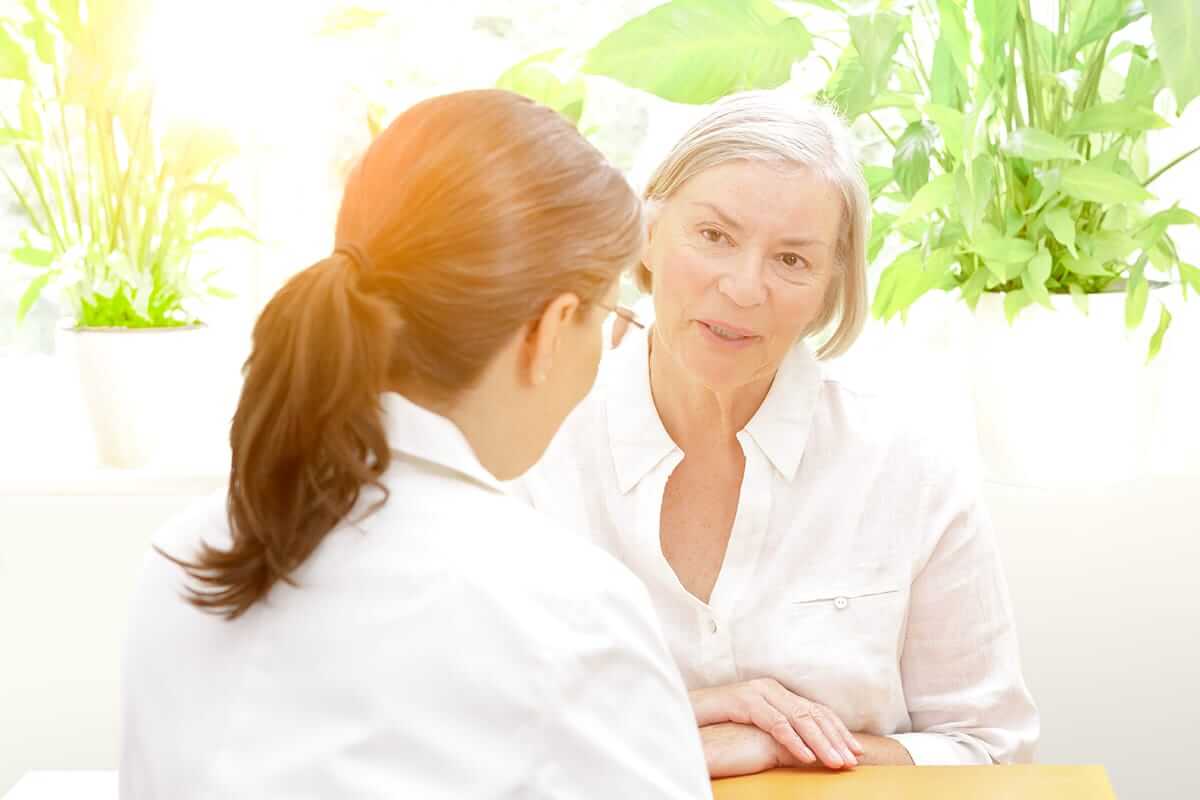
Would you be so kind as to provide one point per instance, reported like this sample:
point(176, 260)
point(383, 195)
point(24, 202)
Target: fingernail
point(850, 759)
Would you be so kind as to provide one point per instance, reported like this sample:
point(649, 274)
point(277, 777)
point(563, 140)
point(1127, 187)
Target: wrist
point(703, 707)
point(881, 751)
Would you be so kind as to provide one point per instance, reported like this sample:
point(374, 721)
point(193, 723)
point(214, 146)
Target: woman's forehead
point(750, 195)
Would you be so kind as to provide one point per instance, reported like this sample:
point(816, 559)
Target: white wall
point(68, 565)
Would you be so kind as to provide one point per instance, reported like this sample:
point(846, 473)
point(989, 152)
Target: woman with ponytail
point(366, 613)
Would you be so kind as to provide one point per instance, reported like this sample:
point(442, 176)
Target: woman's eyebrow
point(801, 241)
point(721, 215)
point(787, 241)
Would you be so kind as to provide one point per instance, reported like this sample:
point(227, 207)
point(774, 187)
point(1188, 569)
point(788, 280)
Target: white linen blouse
point(861, 571)
point(454, 644)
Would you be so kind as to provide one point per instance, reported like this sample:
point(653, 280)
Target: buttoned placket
point(714, 620)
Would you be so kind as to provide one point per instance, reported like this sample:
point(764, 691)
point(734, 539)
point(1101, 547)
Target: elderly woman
point(826, 577)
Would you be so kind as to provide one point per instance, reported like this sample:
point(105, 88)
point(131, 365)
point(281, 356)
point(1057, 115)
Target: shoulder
point(203, 522)
point(546, 562)
point(902, 430)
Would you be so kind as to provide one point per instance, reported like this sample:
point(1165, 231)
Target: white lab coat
point(455, 644)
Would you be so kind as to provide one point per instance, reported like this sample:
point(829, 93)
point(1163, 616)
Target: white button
point(840, 603)
point(712, 626)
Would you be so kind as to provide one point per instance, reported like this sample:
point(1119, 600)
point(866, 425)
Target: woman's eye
point(712, 235)
point(791, 260)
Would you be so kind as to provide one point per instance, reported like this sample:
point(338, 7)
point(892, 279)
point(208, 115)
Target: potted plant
point(1020, 179)
point(117, 204)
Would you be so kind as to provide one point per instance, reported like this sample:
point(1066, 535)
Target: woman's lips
point(726, 334)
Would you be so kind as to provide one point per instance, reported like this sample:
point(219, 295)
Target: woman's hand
point(732, 749)
point(808, 731)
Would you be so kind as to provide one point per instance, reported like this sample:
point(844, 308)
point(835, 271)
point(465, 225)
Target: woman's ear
point(544, 335)
point(651, 212)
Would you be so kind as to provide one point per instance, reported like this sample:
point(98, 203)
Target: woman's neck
point(692, 412)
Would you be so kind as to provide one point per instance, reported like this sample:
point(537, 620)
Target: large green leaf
point(849, 88)
point(1137, 292)
point(14, 64)
point(1014, 302)
point(67, 15)
point(1079, 297)
point(1086, 182)
point(911, 159)
point(876, 38)
point(877, 177)
point(974, 287)
point(1144, 78)
point(1190, 276)
point(542, 79)
point(32, 293)
point(1085, 265)
point(1034, 279)
point(1033, 144)
point(1119, 116)
point(952, 29)
point(975, 190)
point(1061, 223)
point(949, 122)
point(908, 278)
point(938, 193)
point(33, 256)
point(1108, 246)
point(1164, 322)
point(38, 32)
point(1176, 27)
point(1005, 250)
point(904, 269)
point(997, 21)
point(947, 85)
point(881, 225)
point(13, 136)
point(1091, 21)
point(1051, 182)
point(695, 51)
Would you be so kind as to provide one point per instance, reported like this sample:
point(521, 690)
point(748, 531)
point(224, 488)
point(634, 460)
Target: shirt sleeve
point(960, 663)
point(624, 726)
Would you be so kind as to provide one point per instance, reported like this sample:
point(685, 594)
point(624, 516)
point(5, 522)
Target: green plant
point(687, 51)
point(1018, 151)
point(1019, 164)
point(116, 202)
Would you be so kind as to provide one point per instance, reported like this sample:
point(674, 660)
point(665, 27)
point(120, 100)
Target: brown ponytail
point(464, 218)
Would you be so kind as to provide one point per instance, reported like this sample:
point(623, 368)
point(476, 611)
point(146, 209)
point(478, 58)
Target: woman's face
point(577, 350)
point(742, 258)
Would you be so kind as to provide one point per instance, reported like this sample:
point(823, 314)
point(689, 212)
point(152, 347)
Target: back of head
point(463, 219)
point(778, 127)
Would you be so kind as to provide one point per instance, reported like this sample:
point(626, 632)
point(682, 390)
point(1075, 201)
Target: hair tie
point(356, 255)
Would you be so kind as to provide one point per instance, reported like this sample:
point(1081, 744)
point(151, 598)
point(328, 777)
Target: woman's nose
point(743, 283)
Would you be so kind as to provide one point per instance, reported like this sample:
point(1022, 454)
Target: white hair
point(774, 126)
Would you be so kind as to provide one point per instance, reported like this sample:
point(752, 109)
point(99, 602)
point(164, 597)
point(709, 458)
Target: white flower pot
point(136, 385)
point(1062, 398)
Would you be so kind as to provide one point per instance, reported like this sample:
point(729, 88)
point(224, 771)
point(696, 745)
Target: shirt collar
point(780, 426)
point(420, 433)
point(640, 442)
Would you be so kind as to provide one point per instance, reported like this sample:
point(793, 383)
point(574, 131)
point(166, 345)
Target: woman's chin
point(719, 372)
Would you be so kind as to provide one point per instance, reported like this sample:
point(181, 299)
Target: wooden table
point(921, 783)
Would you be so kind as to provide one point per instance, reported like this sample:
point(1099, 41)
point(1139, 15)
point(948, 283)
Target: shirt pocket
point(854, 622)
